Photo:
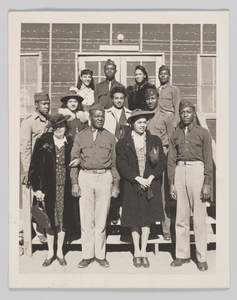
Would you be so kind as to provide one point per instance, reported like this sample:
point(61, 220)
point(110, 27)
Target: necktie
point(95, 134)
point(109, 85)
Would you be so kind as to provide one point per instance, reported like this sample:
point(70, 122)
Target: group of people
point(109, 145)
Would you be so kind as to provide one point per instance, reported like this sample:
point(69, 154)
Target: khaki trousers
point(94, 209)
point(189, 179)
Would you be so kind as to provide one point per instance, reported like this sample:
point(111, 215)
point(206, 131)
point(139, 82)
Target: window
point(207, 85)
point(30, 81)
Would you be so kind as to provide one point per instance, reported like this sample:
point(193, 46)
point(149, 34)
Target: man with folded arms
point(98, 181)
point(189, 174)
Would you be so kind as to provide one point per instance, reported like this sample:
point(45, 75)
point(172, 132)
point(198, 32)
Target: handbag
point(40, 216)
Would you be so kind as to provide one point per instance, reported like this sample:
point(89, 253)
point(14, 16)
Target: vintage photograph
point(117, 149)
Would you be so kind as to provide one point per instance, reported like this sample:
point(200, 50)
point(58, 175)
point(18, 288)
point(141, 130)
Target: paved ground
point(120, 259)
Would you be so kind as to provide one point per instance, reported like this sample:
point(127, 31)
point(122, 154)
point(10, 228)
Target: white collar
point(59, 142)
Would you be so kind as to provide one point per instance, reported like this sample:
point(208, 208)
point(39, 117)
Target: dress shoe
point(85, 262)
point(145, 262)
point(178, 262)
point(202, 266)
point(62, 261)
point(137, 262)
point(167, 236)
point(103, 262)
point(48, 262)
point(42, 239)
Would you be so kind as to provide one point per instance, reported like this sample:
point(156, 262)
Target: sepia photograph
point(118, 149)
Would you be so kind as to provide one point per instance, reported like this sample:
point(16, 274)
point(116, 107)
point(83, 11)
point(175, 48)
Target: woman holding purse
point(49, 176)
point(140, 162)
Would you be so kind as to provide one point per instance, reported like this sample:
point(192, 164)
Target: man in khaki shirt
point(98, 179)
point(31, 128)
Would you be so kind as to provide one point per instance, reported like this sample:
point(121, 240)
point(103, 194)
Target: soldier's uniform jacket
point(102, 93)
point(31, 128)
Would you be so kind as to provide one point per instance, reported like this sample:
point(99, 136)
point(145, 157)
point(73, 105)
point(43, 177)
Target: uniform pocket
point(105, 150)
point(86, 150)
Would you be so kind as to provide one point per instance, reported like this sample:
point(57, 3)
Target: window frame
point(199, 74)
point(36, 54)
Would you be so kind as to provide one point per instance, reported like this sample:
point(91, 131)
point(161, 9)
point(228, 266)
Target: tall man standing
point(158, 125)
point(32, 128)
point(169, 97)
point(189, 174)
point(98, 180)
point(102, 89)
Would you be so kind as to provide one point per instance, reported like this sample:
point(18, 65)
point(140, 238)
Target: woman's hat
point(139, 112)
point(71, 95)
point(56, 119)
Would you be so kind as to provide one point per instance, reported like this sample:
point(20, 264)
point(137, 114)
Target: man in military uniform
point(31, 128)
point(97, 182)
point(102, 89)
point(169, 97)
point(189, 174)
point(158, 125)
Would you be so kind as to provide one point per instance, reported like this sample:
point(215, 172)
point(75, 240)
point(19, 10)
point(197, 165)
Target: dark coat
point(137, 210)
point(42, 176)
point(136, 99)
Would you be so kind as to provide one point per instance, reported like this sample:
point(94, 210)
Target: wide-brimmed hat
point(56, 119)
point(139, 112)
point(71, 95)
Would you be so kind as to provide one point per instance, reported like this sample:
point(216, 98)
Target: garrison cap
point(185, 103)
point(150, 92)
point(164, 67)
point(96, 106)
point(41, 96)
point(110, 63)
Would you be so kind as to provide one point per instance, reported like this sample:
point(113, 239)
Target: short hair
point(86, 72)
point(118, 89)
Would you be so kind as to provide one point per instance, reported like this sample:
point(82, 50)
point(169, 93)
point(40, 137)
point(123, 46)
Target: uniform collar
point(36, 115)
point(165, 85)
point(190, 126)
point(112, 81)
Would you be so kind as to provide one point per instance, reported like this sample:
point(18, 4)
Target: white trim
point(50, 61)
point(201, 38)
point(171, 53)
point(30, 54)
point(80, 38)
point(141, 37)
point(118, 54)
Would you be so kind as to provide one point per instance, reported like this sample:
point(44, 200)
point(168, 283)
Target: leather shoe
point(103, 262)
point(85, 262)
point(62, 261)
point(48, 262)
point(166, 236)
point(42, 239)
point(178, 262)
point(137, 262)
point(202, 266)
point(145, 262)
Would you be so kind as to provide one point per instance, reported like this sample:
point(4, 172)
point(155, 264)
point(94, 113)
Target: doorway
point(125, 63)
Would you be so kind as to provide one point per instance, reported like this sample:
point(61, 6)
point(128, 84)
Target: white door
point(125, 67)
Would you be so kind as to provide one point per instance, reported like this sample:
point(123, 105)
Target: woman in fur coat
point(72, 106)
point(140, 162)
point(49, 177)
point(136, 93)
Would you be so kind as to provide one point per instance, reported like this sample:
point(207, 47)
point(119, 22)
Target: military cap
point(41, 96)
point(150, 92)
point(185, 103)
point(96, 106)
point(110, 63)
point(164, 67)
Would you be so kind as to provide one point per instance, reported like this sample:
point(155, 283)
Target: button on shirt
point(95, 155)
point(169, 99)
point(195, 145)
point(31, 128)
point(158, 126)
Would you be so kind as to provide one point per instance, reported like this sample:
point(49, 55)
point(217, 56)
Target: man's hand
point(39, 195)
point(115, 191)
point(173, 193)
point(76, 191)
point(24, 177)
point(206, 192)
point(74, 163)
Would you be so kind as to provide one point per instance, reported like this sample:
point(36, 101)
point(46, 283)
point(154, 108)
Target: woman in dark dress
point(49, 177)
point(140, 162)
point(136, 93)
point(72, 106)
